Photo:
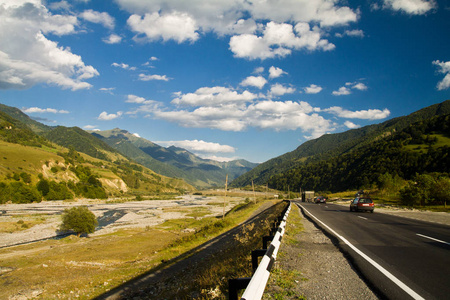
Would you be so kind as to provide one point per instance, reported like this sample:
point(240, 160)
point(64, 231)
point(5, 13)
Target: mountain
point(334, 145)
point(18, 115)
point(33, 168)
point(174, 161)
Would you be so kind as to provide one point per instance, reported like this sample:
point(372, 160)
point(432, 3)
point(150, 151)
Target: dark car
point(321, 199)
point(362, 204)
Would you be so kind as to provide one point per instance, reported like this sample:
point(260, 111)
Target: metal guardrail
point(254, 286)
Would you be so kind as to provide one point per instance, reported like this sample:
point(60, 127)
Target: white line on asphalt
point(394, 279)
point(428, 237)
point(362, 217)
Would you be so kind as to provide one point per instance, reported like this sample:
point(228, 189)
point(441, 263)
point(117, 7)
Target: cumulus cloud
point(123, 66)
point(104, 116)
point(102, 18)
point(313, 89)
point(113, 39)
point(213, 96)
point(275, 72)
point(145, 77)
point(351, 125)
point(352, 33)
point(199, 146)
point(278, 40)
point(256, 81)
point(28, 57)
point(280, 90)
point(347, 89)
point(176, 26)
point(413, 7)
point(31, 110)
point(444, 68)
point(370, 114)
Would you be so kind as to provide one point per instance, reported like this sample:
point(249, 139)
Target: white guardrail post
point(257, 284)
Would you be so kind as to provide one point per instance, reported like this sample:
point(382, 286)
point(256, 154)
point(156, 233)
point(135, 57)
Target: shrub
point(79, 219)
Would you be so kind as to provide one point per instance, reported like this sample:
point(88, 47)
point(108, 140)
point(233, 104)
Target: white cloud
point(213, 96)
point(107, 90)
point(360, 86)
point(136, 135)
point(258, 70)
point(113, 39)
point(413, 7)
point(351, 125)
point(176, 26)
point(224, 16)
point(371, 114)
point(346, 90)
point(199, 146)
point(275, 72)
point(91, 127)
point(444, 68)
point(256, 81)
point(27, 57)
point(352, 33)
point(342, 91)
point(279, 90)
point(104, 116)
point(313, 89)
point(145, 77)
point(123, 66)
point(102, 18)
point(278, 40)
point(139, 100)
point(31, 110)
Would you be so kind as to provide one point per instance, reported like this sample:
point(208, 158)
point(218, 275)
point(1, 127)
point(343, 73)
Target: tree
point(79, 219)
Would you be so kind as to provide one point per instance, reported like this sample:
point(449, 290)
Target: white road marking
point(362, 218)
point(436, 240)
point(394, 279)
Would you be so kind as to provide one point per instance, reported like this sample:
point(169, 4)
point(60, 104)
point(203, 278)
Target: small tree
point(79, 219)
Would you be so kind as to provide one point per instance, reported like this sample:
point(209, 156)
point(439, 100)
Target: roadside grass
point(84, 268)
point(282, 281)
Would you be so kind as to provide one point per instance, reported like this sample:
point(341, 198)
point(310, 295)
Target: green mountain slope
point(18, 115)
point(333, 145)
point(173, 161)
point(422, 147)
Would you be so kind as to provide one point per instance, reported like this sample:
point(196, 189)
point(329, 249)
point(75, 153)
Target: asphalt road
point(400, 258)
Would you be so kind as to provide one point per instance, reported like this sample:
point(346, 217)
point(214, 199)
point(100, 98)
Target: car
point(321, 199)
point(362, 204)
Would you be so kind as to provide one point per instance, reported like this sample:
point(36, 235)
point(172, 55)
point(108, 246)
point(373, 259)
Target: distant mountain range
point(323, 162)
point(173, 161)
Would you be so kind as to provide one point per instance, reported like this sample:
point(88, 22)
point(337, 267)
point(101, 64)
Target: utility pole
point(254, 196)
point(225, 197)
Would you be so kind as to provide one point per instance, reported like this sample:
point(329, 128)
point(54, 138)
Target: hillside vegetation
point(34, 168)
point(334, 145)
point(173, 161)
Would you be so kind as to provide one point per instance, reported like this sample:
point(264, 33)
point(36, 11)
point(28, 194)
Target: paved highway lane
point(405, 258)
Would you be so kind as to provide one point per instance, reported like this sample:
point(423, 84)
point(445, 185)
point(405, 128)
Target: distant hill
point(74, 164)
point(332, 146)
point(174, 161)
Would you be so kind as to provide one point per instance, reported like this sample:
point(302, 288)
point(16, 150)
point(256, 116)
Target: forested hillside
point(422, 147)
point(331, 146)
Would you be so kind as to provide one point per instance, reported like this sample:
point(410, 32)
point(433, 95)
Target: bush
point(79, 219)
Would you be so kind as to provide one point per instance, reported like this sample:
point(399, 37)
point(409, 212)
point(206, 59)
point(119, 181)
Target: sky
point(224, 79)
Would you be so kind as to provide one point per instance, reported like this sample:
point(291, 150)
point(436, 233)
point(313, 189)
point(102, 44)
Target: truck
point(308, 196)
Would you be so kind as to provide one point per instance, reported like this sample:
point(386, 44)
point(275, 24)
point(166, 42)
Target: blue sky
point(225, 79)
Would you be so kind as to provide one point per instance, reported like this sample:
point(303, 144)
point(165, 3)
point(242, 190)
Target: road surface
point(401, 258)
